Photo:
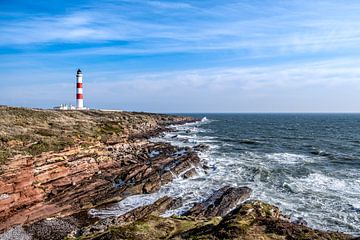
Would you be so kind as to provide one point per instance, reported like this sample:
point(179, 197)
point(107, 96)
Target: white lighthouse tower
point(79, 90)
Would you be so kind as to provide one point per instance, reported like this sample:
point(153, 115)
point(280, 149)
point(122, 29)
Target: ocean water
point(306, 164)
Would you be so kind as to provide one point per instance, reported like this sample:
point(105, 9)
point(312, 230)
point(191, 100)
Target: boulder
point(257, 220)
point(220, 202)
point(158, 207)
point(201, 147)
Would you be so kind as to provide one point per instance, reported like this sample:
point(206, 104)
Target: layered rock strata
point(54, 166)
point(210, 219)
point(90, 171)
point(220, 202)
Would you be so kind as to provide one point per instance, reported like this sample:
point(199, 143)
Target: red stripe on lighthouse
point(79, 96)
point(79, 85)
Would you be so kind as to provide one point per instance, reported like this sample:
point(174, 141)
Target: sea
point(306, 164)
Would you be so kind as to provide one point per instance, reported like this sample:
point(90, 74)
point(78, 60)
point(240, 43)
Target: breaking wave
point(302, 184)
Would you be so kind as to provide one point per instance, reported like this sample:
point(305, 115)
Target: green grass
point(28, 131)
point(4, 155)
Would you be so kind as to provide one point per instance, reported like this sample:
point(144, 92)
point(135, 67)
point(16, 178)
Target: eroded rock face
point(111, 160)
point(190, 173)
point(252, 220)
point(65, 182)
point(258, 220)
point(60, 183)
point(220, 202)
point(201, 147)
point(158, 207)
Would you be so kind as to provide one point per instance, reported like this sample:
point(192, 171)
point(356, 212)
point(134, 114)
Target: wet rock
point(300, 221)
point(108, 161)
point(158, 207)
point(220, 202)
point(190, 173)
point(201, 147)
point(252, 220)
point(257, 220)
point(148, 176)
point(205, 167)
point(152, 186)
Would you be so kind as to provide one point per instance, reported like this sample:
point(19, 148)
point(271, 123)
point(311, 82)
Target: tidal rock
point(257, 220)
point(105, 159)
point(190, 173)
point(220, 202)
point(158, 207)
point(251, 220)
point(300, 221)
point(201, 147)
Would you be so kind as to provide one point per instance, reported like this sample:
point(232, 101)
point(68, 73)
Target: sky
point(182, 56)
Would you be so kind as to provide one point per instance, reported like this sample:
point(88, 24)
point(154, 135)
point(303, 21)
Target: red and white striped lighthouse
point(79, 90)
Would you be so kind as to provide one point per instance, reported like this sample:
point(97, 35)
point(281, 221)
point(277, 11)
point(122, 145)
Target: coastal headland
point(57, 165)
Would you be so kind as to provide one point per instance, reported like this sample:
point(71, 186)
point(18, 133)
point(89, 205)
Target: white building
point(65, 107)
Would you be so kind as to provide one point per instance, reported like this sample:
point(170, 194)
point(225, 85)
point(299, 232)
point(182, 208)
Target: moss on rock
point(35, 131)
point(252, 220)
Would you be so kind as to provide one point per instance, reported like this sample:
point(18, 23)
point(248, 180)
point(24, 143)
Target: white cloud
point(277, 30)
point(302, 27)
point(191, 88)
point(168, 5)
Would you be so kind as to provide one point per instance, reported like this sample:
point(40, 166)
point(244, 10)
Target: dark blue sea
point(306, 164)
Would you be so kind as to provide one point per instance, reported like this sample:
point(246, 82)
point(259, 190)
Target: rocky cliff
point(222, 216)
point(56, 163)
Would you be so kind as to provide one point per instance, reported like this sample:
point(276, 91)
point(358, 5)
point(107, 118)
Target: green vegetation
point(252, 220)
point(4, 154)
point(152, 227)
point(32, 131)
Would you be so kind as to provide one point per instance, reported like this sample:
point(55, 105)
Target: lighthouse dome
point(79, 71)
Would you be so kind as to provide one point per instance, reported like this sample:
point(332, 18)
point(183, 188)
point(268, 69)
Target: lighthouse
point(79, 95)
point(79, 90)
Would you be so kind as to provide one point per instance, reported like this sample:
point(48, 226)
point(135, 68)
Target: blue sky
point(183, 56)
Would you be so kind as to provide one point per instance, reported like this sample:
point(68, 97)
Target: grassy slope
point(29, 131)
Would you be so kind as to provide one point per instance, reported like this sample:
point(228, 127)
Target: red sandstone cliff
point(106, 158)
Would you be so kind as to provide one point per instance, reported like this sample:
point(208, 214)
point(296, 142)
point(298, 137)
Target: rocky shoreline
point(46, 194)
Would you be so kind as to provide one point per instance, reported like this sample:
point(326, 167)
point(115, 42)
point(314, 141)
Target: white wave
point(288, 158)
point(318, 182)
point(204, 119)
point(323, 200)
point(125, 205)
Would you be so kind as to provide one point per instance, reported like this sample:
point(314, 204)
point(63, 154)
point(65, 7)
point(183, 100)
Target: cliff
point(56, 163)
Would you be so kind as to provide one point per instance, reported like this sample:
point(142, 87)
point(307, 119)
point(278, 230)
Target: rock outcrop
point(251, 220)
point(157, 208)
point(89, 171)
point(220, 202)
point(56, 165)
point(64, 182)
point(257, 220)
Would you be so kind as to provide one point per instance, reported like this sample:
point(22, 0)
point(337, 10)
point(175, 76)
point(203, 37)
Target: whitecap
point(288, 158)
